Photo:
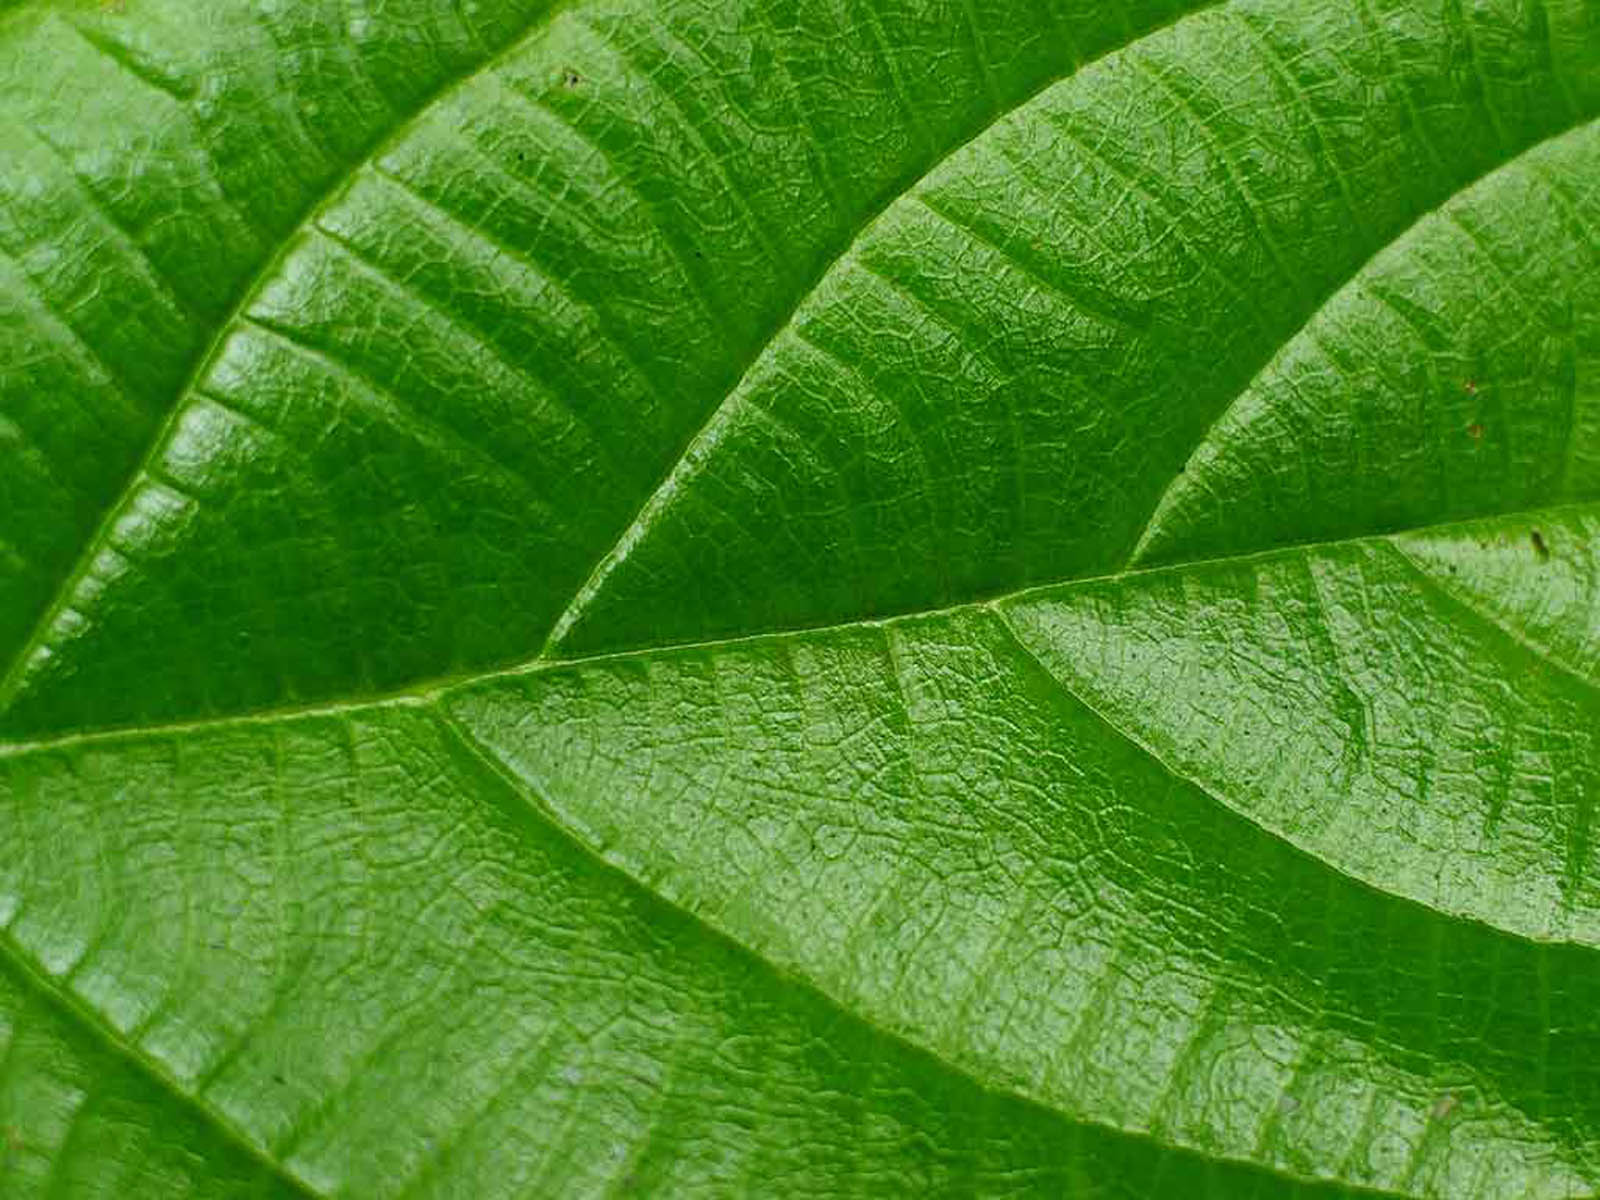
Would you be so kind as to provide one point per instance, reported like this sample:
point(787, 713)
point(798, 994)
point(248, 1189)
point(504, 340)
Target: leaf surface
point(975, 598)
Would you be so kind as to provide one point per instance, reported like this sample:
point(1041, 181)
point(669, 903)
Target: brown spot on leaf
point(1539, 547)
point(1470, 387)
point(1475, 432)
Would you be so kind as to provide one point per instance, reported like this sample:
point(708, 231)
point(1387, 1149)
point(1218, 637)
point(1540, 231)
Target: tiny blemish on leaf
point(1475, 432)
point(1539, 547)
point(570, 78)
point(1444, 1106)
point(1470, 386)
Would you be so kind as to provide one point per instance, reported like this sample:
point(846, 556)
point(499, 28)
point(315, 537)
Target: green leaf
point(951, 596)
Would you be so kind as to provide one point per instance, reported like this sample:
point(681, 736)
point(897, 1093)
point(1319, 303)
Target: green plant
point(658, 596)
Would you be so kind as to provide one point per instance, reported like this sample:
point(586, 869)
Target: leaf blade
point(970, 854)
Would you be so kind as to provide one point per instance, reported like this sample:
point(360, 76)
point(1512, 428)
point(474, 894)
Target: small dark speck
point(570, 78)
point(1475, 432)
point(280, 1080)
point(1539, 547)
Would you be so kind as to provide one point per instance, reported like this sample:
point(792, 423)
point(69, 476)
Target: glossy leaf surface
point(748, 597)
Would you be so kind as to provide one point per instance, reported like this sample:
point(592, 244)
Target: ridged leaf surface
point(780, 597)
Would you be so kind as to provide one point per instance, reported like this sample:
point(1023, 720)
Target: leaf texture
point(991, 597)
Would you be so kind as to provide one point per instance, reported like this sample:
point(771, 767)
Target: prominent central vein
point(704, 438)
point(426, 692)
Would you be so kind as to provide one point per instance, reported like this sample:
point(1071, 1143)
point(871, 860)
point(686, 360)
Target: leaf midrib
point(12, 680)
point(528, 799)
point(85, 1017)
point(426, 692)
point(594, 581)
point(635, 531)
